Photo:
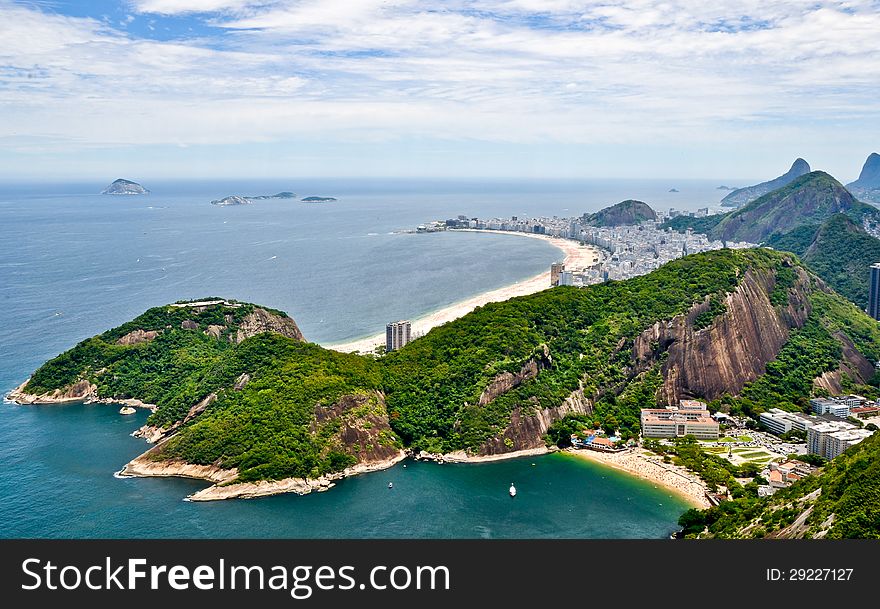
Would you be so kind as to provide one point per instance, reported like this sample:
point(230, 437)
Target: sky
point(95, 89)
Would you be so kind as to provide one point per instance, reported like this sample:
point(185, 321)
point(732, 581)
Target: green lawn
point(745, 438)
point(755, 455)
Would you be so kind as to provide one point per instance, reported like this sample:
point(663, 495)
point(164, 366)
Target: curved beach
point(575, 255)
point(648, 466)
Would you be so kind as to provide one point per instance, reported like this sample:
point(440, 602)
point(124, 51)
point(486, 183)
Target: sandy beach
point(648, 466)
point(575, 256)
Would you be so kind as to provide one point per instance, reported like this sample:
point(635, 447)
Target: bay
point(73, 264)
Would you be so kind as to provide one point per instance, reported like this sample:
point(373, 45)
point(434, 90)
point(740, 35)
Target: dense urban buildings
point(874, 293)
point(629, 250)
point(397, 334)
point(688, 418)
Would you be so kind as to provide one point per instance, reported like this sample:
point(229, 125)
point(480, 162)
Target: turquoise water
point(57, 481)
point(73, 264)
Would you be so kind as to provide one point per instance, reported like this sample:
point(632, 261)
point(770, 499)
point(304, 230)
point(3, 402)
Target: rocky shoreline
point(143, 467)
point(81, 392)
point(460, 456)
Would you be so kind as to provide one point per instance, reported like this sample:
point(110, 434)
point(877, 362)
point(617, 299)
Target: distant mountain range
point(839, 251)
point(816, 218)
point(867, 187)
point(742, 196)
point(625, 212)
point(125, 187)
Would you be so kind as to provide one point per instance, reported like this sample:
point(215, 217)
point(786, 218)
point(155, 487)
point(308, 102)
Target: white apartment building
point(779, 421)
point(839, 441)
point(830, 439)
point(397, 334)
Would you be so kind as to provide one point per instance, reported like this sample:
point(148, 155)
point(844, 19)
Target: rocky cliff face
point(705, 363)
point(260, 320)
point(734, 350)
point(504, 382)
point(364, 432)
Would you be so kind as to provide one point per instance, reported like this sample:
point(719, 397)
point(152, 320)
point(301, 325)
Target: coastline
point(81, 392)
point(642, 464)
point(142, 467)
point(460, 456)
point(575, 255)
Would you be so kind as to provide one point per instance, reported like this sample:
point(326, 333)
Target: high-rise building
point(555, 271)
point(397, 334)
point(874, 293)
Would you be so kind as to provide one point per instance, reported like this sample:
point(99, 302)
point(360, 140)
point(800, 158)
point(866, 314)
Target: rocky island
point(125, 187)
point(231, 200)
point(318, 199)
point(242, 400)
point(240, 200)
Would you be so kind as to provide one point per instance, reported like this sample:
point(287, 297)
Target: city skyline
point(561, 89)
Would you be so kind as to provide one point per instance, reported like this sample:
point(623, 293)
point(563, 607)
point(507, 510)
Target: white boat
point(127, 410)
point(512, 490)
point(390, 485)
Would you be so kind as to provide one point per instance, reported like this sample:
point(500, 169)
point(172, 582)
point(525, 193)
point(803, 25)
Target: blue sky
point(496, 88)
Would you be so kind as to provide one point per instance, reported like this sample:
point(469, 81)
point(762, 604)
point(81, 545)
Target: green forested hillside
point(236, 393)
point(839, 251)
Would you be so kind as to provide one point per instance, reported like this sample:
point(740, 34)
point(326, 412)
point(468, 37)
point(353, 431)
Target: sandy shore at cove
point(575, 256)
point(648, 466)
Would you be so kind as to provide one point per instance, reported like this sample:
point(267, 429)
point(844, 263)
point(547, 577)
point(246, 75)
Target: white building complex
point(831, 438)
point(689, 418)
point(779, 421)
point(839, 407)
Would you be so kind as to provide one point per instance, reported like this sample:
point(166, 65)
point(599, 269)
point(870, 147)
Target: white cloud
point(641, 71)
point(179, 7)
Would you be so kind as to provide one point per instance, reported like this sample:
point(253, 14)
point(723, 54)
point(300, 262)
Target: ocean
point(74, 263)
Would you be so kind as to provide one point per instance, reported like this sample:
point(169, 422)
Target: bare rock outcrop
point(135, 337)
point(79, 391)
point(527, 427)
point(199, 408)
point(260, 320)
point(215, 330)
point(505, 381)
point(733, 350)
point(364, 430)
point(242, 381)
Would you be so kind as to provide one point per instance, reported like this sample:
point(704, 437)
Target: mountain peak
point(743, 196)
point(809, 199)
point(799, 167)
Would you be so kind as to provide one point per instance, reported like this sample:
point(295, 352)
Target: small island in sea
point(125, 187)
point(725, 187)
point(318, 199)
point(231, 200)
point(673, 190)
point(241, 200)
